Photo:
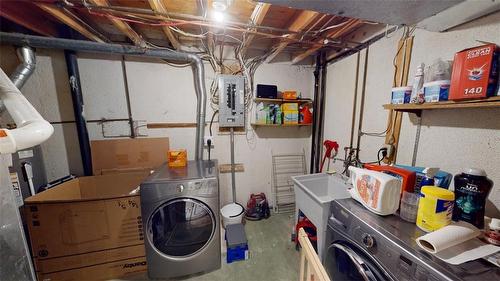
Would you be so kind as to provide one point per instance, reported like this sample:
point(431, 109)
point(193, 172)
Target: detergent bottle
point(378, 192)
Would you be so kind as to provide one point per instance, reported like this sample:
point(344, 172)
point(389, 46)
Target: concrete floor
point(272, 255)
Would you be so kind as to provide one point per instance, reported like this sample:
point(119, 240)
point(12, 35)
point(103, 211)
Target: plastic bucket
point(232, 214)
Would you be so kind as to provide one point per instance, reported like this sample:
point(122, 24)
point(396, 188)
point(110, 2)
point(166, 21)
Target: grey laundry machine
point(364, 246)
point(180, 214)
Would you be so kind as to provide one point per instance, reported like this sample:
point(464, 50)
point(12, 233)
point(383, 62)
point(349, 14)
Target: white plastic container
point(401, 95)
point(436, 91)
point(418, 82)
point(377, 191)
point(232, 214)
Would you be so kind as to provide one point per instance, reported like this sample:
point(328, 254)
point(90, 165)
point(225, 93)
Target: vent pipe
point(31, 129)
point(128, 50)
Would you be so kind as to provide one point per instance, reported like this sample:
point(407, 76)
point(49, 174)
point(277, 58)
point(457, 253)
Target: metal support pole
point(362, 105)
point(127, 97)
point(318, 112)
point(78, 108)
point(233, 172)
point(417, 139)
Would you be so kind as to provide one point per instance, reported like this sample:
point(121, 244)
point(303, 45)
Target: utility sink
point(313, 194)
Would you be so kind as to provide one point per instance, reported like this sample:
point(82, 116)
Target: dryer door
point(181, 227)
point(345, 261)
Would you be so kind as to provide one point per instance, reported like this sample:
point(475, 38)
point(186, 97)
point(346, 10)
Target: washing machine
point(365, 246)
point(180, 214)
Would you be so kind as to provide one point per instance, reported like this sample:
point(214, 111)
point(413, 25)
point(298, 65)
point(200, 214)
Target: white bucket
point(232, 214)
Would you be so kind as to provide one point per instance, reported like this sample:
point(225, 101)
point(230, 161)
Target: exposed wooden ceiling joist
point(259, 13)
point(17, 13)
point(302, 21)
point(159, 6)
point(333, 34)
point(67, 19)
point(122, 26)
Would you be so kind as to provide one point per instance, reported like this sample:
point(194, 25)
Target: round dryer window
point(181, 227)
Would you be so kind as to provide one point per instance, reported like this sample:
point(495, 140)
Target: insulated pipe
point(31, 129)
point(128, 50)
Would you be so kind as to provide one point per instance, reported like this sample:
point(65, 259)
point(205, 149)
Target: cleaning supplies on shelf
point(456, 243)
point(471, 190)
point(428, 179)
point(416, 91)
point(436, 91)
point(378, 192)
point(434, 208)
point(401, 95)
point(261, 113)
point(475, 73)
point(305, 115)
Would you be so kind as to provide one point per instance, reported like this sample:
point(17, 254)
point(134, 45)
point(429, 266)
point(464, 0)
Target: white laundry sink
point(313, 194)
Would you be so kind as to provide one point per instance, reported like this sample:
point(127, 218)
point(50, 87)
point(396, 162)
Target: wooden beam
point(302, 21)
point(124, 27)
point(68, 20)
point(333, 34)
point(259, 13)
point(18, 13)
point(159, 6)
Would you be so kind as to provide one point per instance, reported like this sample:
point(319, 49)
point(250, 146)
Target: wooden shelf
point(281, 125)
point(282, 100)
point(417, 108)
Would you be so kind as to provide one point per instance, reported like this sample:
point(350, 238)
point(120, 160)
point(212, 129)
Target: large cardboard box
point(128, 155)
point(87, 228)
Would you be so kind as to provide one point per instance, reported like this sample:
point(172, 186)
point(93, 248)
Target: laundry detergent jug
point(378, 192)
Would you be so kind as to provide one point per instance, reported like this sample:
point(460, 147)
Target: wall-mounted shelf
point(282, 100)
point(417, 108)
point(280, 125)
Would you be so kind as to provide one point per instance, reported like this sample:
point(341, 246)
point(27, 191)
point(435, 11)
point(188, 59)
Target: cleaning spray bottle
point(418, 82)
point(428, 179)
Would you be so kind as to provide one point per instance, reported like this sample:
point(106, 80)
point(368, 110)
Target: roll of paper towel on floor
point(448, 236)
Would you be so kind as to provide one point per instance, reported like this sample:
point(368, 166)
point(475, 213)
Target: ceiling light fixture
point(218, 16)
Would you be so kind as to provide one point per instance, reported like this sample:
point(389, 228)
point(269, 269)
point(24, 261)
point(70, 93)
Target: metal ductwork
point(24, 70)
point(93, 47)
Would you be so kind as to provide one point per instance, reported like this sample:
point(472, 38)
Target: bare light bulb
point(218, 16)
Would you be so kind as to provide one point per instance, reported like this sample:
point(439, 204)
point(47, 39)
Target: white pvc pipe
point(31, 129)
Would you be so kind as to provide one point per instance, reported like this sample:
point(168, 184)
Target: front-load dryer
point(180, 213)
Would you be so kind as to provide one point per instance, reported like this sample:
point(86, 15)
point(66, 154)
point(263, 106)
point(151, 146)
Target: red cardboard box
point(475, 73)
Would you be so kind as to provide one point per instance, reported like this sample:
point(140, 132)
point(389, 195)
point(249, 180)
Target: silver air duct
point(93, 47)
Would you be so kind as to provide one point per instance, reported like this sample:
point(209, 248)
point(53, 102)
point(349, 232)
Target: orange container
point(289, 95)
point(408, 178)
point(177, 158)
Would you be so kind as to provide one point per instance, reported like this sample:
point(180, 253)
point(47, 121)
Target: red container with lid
point(407, 177)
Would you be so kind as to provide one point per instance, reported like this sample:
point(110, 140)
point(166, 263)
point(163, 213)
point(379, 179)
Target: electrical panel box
point(231, 101)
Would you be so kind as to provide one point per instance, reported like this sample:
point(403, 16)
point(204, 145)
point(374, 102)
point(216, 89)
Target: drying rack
point(285, 166)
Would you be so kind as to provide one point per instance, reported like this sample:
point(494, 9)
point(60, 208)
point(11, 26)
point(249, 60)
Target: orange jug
point(305, 115)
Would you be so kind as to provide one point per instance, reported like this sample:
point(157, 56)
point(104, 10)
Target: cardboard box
point(128, 155)
point(89, 223)
point(475, 73)
point(290, 106)
point(104, 271)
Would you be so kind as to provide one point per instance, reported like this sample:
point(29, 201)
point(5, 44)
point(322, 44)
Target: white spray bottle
point(418, 83)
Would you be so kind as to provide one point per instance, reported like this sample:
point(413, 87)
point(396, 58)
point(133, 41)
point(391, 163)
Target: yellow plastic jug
point(435, 208)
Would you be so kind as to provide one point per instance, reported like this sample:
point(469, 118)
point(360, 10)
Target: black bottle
point(471, 191)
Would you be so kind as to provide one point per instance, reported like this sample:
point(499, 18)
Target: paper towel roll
point(448, 236)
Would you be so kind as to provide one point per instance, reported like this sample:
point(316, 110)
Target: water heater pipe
point(128, 50)
point(31, 129)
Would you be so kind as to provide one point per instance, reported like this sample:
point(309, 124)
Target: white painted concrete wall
point(450, 139)
point(158, 93)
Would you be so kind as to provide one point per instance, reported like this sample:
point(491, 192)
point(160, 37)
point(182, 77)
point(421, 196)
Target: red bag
point(257, 207)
